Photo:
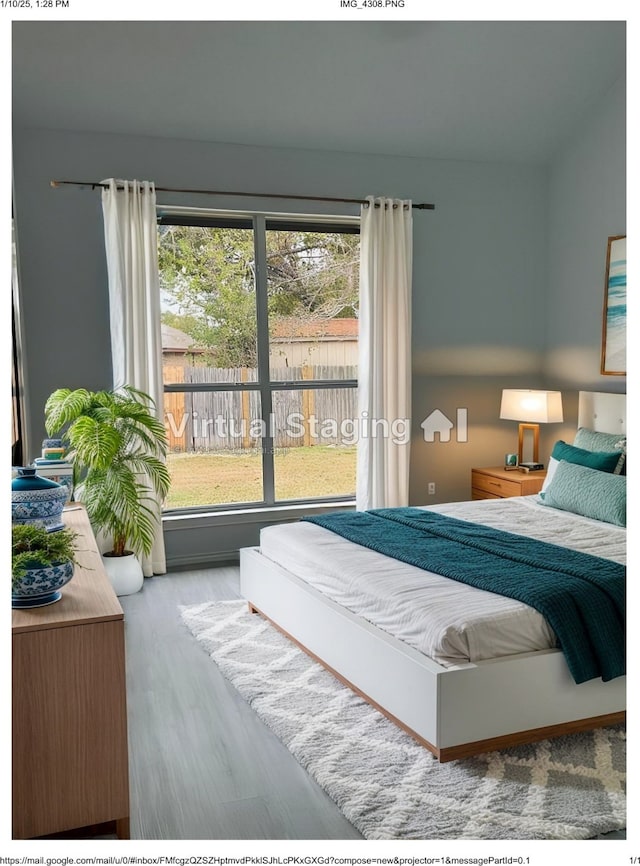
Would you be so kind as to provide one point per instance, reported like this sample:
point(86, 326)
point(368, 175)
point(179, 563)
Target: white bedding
point(448, 621)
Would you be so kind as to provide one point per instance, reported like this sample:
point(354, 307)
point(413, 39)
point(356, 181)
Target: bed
point(462, 670)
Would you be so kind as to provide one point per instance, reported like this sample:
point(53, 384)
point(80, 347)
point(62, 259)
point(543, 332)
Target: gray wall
point(587, 204)
point(480, 317)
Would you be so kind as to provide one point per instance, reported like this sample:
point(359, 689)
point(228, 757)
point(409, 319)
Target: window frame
point(260, 223)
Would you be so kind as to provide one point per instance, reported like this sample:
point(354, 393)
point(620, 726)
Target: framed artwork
point(614, 316)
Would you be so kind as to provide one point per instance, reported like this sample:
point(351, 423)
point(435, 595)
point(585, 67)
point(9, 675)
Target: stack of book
point(530, 467)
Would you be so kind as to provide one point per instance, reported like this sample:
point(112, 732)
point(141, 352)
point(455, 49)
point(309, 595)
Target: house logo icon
point(438, 424)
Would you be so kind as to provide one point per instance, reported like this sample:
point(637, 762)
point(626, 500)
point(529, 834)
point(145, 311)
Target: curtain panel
point(129, 210)
point(384, 369)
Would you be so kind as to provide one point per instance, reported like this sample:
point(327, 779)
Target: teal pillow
point(589, 492)
point(602, 460)
point(593, 440)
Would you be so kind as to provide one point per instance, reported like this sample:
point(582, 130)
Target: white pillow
point(551, 471)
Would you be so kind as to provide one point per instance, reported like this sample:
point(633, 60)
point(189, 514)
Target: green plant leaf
point(34, 545)
point(155, 472)
point(96, 444)
point(64, 406)
point(118, 445)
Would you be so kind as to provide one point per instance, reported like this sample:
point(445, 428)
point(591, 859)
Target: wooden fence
point(220, 420)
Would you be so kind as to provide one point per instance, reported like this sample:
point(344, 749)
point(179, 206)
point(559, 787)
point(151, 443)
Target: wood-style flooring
point(202, 764)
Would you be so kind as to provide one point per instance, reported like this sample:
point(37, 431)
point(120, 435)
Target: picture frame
point(614, 314)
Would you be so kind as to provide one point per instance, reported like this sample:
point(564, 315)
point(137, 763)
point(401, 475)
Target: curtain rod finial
point(53, 183)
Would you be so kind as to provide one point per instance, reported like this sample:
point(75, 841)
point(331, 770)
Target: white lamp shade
point(535, 407)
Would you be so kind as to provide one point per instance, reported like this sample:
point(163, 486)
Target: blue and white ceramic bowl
point(36, 500)
point(41, 585)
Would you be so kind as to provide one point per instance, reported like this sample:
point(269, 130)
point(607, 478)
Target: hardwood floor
point(202, 764)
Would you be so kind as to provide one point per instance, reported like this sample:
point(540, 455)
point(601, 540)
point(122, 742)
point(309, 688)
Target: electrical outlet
point(431, 488)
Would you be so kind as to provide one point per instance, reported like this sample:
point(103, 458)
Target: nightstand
point(494, 482)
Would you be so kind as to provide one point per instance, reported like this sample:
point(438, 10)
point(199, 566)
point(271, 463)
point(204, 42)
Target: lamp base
point(535, 429)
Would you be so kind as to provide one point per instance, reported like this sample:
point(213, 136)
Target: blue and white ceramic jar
point(36, 500)
point(41, 585)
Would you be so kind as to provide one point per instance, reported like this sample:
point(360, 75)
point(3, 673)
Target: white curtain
point(129, 209)
point(384, 368)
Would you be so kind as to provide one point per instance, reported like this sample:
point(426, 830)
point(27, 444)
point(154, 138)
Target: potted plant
point(118, 447)
point(41, 563)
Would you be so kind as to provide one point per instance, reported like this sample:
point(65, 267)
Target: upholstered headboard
point(606, 413)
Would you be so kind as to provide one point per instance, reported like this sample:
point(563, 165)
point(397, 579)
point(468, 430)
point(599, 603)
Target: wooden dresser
point(70, 755)
point(495, 482)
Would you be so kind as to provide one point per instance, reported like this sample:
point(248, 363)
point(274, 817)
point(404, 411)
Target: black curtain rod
point(95, 185)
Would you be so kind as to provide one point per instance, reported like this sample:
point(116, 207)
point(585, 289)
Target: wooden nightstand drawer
point(495, 482)
point(497, 486)
point(483, 494)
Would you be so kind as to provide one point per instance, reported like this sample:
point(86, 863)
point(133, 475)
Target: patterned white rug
point(387, 785)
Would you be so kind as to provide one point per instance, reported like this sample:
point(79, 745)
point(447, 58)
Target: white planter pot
point(124, 572)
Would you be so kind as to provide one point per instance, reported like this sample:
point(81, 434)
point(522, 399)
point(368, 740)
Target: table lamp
point(531, 408)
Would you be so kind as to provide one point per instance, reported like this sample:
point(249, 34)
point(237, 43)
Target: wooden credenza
point(70, 755)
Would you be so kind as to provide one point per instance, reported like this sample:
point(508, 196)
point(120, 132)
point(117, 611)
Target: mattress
point(448, 621)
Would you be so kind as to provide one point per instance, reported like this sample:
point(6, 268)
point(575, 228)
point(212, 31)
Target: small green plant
point(33, 546)
point(118, 447)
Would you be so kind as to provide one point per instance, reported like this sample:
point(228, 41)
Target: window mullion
point(262, 312)
point(314, 384)
point(186, 387)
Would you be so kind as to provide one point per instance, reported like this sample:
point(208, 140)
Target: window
point(260, 345)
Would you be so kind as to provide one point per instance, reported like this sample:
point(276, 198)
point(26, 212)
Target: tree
point(207, 279)
point(313, 274)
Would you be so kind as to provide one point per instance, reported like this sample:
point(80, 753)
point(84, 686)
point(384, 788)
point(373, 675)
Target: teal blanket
point(582, 597)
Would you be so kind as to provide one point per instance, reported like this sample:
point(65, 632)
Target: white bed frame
point(457, 711)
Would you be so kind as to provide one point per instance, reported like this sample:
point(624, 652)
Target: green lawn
point(221, 477)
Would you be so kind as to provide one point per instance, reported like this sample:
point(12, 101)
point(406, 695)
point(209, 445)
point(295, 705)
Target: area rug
point(386, 784)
